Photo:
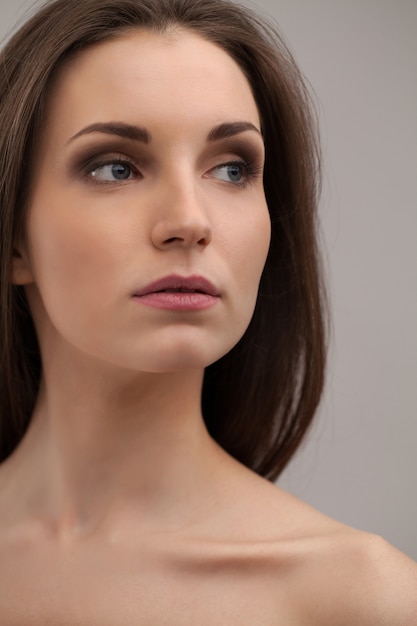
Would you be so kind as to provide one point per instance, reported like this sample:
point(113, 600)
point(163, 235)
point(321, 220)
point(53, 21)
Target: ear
point(21, 270)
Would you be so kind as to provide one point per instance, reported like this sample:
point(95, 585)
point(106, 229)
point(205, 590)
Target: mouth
point(179, 293)
point(180, 284)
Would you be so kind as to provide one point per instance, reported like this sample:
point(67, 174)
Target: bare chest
point(145, 587)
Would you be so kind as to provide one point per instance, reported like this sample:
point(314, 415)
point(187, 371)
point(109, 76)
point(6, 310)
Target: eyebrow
point(120, 129)
point(229, 129)
point(142, 135)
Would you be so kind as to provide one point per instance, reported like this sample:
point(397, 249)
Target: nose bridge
point(182, 217)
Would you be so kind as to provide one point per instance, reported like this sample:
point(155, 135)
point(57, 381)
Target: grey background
point(359, 464)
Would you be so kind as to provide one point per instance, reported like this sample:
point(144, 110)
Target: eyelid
point(92, 163)
point(245, 150)
point(99, 150)
point(236, 149)
point(253, 171)
point(243, 146)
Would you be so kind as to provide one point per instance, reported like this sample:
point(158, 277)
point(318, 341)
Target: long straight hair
point(259, 399)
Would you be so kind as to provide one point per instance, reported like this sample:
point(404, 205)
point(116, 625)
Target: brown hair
point(259, 399)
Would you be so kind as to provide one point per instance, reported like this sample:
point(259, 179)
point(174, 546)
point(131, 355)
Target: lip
point(179, 293)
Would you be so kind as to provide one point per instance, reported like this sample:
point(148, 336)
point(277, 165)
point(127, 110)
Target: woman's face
point(147, 228)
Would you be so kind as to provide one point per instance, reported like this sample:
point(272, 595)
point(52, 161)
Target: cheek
point(252, 249)
point(72, 261)
point(59, 252)
point(249, 249)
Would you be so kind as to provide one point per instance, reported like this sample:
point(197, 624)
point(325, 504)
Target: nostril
point(172, 239)
point(166, 235)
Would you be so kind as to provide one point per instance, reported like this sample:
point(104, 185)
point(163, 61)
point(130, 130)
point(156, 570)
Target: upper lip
point(190, 283)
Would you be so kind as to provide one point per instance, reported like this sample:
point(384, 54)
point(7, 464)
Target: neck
point(100, 446)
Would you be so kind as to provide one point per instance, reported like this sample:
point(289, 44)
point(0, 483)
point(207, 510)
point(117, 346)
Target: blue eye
point(231, 172)
point(110, 172)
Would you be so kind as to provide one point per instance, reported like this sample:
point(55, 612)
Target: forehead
point(141, 75)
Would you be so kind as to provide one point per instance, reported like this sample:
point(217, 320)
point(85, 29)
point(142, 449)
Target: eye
point(112, 171)
point(233, 172)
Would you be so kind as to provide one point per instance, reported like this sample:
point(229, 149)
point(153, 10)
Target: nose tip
point(167, 235)
point(185, 224)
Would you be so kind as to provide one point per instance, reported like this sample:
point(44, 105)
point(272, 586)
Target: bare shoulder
point(333, 574)
point(348, 576)
point(351, 577)
point(384, 582)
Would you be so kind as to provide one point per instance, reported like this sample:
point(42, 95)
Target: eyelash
point(93, 165)
point(251, 171)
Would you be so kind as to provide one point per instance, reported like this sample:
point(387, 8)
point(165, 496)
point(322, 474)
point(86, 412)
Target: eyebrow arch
point(229, 129)
point(120, 129)
point(138, 133)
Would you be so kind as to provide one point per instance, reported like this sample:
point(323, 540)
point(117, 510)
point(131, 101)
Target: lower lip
point(178, 301)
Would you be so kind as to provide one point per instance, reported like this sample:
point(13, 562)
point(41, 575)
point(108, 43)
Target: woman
point(162, 329)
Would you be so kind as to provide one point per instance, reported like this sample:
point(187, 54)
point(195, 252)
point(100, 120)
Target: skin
point(117, 496)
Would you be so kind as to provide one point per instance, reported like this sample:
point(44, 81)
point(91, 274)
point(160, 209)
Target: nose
point(182, 220)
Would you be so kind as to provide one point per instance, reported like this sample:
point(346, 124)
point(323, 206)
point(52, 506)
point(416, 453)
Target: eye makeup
point(119, 161)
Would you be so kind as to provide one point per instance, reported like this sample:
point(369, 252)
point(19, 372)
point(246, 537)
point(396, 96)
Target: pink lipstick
point(179, 293)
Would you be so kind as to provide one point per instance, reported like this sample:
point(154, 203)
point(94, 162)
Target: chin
point(181, 356)
point(180, 361)
point(178, 349)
